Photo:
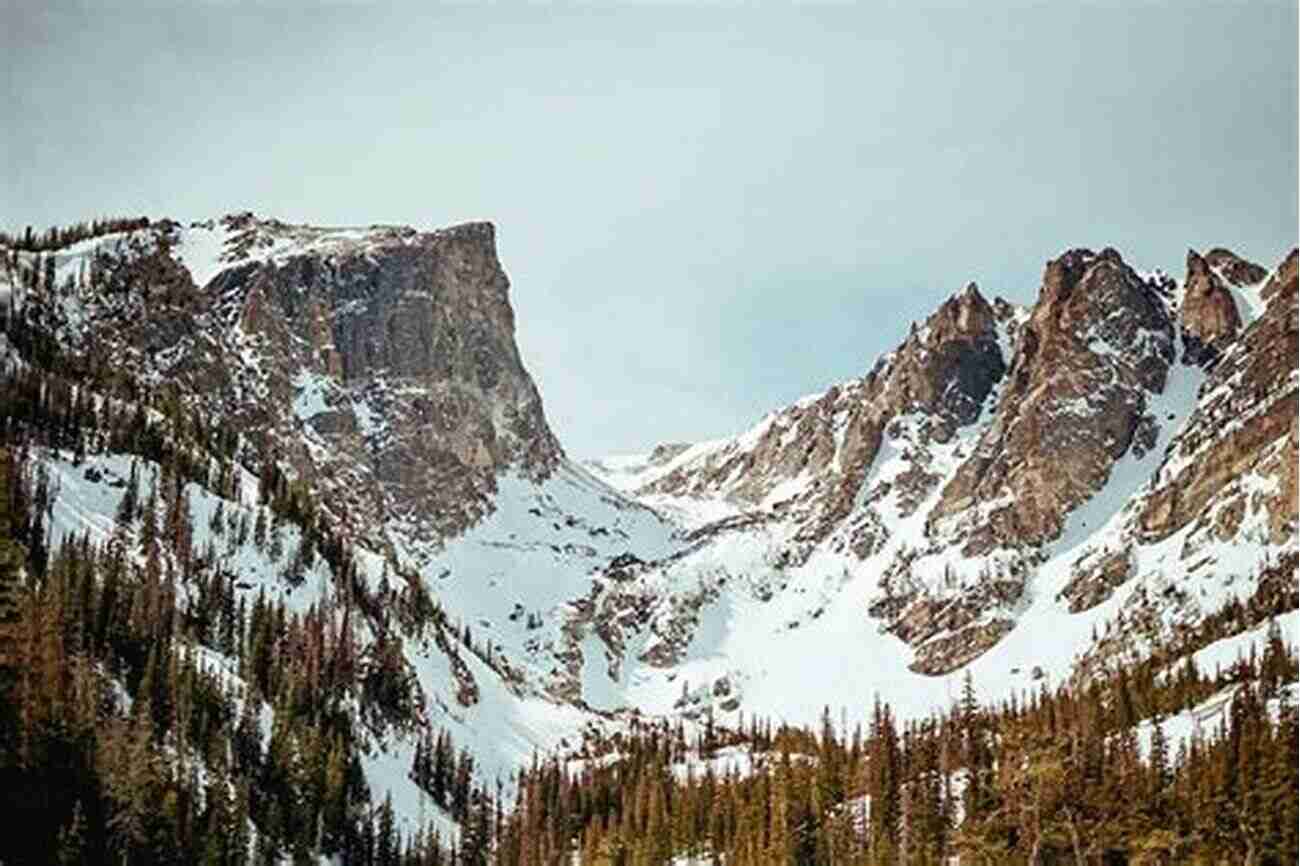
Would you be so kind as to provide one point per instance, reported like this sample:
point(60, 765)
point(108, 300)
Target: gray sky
point(705, 210)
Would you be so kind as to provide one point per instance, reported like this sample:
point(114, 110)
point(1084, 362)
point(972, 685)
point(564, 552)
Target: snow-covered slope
point(775, 610)
point(510, 579)
point(1010, 491)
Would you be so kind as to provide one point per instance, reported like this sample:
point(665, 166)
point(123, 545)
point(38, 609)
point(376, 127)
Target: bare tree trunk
point(1074, 838)
point(1252, 850)
point(905, 836)
point(1038, 829)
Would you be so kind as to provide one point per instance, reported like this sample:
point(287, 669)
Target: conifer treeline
point(57, 237)
point(152, 712)
point(1056, 777)
point(126, 739)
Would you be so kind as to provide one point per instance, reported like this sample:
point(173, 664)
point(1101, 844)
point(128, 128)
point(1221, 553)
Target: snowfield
point(592, 601)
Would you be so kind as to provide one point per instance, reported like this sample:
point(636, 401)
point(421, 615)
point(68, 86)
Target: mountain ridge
point(1061, 277)
point(872, 534)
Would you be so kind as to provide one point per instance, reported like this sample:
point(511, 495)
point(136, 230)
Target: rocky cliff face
point(1098, 341)
point(1209, 318)
point(399, 358)
point(1006, 463)
point(1244, 428)
point(810, 460)
point(1008, 489)
point(379, 363)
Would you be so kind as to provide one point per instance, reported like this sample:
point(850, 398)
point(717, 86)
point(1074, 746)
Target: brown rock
point(946, 654)
point(1236, 270)
point(1284, 276)
point(1209, 316)
point(946, 369)
point(1245, 423)
point(1097, 342)
point(1096, 577)
point(419, 397)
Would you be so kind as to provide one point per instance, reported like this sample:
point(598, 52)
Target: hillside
point(299, 476)
point(1003, 489)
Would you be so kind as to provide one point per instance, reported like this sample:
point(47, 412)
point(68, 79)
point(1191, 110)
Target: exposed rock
point(1209, 316)
point(666, 451)
point(1233, 268)
point(381, 369)
point(950, 365)
point(1096, 577)
point(1284, 276)
point(991, 463)
point(947, 654)
point(946, 368)
point(380, 363)
point(1245, 423)
point(1097, 343)
point(918, 619)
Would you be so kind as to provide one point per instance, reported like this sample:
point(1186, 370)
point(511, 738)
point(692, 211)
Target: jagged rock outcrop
point(813, 457)
point(1244, 426)
point(1210, 319)
point(1096, 576)
point(919, 509)
point(1234, 269)
point(1098, 342)
point(946, 654)
point(1284, 276)
point(947, 367)
point(666, 451)
point(949, 473)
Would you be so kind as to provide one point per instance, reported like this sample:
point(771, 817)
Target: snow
point(738, 760)
point(1206, 719)
point(85, 506)
point(1007, 329)
point(386, 768)
point(599, 688)
point(624, 472)
point(534, 554)
point(538, 548)
point(792, 640)
point(690, 512)
point(370, 422)
point(210, 247)
point(731, 613)
point(1249, 298)
point(1222, 654)
point(226, 670)
point(202, 251)
point(310, 390)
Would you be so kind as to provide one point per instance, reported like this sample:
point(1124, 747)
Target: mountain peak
point(1234, 269)
point(381, 358)
point(966, 312)
point(1209, 316)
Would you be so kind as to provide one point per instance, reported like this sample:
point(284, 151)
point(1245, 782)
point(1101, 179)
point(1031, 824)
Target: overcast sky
point(705, 210)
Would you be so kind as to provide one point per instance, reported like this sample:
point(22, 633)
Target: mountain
point(380, 361)
point(360, 391)
point(321, 447)
point(1001, 486)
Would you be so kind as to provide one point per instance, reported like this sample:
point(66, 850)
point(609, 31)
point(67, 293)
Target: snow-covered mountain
point(1006, 492)
point(1011, 491)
